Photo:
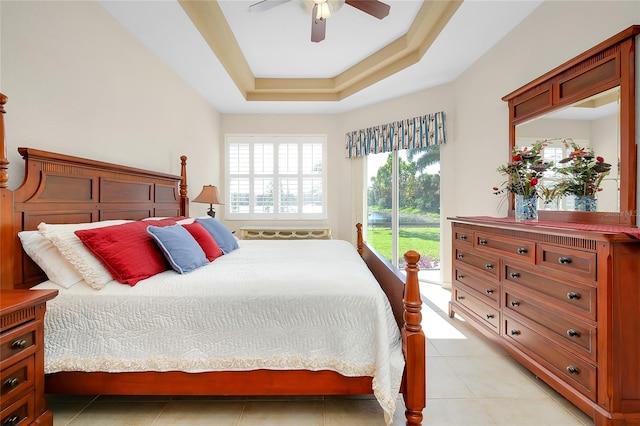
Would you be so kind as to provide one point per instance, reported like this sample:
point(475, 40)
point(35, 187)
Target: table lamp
point(209, 195)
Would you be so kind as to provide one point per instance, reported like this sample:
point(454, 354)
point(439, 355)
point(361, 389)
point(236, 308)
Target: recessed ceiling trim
point(407, 50)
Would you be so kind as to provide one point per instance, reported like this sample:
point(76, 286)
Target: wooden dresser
point(22, 357)
point(563, 299)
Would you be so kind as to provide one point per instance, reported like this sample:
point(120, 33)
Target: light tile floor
point(470, 381)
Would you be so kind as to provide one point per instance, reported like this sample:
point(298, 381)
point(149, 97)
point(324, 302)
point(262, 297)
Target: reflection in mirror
point(592, 123)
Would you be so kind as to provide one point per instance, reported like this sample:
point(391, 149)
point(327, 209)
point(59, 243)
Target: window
point(276, 176)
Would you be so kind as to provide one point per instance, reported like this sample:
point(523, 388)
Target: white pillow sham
point(49, 259)
point(72, 249)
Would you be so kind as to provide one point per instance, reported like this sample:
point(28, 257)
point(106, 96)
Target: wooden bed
point(59, 188)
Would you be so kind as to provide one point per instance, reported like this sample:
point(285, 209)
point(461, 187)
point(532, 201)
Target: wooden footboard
point(407, 305)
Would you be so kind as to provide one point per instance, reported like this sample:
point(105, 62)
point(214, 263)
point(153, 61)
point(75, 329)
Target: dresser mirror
point(592, 123)
point(599, 83)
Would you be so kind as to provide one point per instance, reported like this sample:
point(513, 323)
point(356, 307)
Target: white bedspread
point(270, 304)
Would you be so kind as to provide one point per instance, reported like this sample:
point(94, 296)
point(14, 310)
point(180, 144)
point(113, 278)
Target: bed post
point(184, 200)
point(413, 343)
point(360, 239)
point(6, 210)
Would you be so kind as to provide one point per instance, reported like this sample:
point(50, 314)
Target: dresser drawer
point(518, 249)
point(17, 343)
point(575, 264)
point(15, 380)
point(488, 315)
point(488, 291)
point(572, 334)
point(579, 374)
point(571, 298)
point(462, 235)
point(478, 261)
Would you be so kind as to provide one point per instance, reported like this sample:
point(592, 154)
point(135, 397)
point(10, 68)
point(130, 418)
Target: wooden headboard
point(60, 188)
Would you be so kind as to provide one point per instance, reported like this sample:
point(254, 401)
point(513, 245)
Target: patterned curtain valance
point(413, 133)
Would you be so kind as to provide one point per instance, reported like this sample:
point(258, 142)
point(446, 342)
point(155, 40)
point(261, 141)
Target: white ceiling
point(276, 43)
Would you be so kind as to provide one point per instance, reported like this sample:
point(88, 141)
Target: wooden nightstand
point(22, 357)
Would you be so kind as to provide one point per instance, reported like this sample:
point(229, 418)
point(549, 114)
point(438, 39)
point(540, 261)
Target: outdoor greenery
point(418, 191)
point(424, 240)
point(419, 209)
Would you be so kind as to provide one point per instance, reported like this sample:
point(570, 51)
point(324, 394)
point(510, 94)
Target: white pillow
point(72, 249)
point(49, 259)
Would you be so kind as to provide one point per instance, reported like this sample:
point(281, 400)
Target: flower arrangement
point(524, 172)
point(582, 172)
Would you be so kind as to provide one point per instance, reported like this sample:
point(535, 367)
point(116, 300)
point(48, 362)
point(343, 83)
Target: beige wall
point(79, 83)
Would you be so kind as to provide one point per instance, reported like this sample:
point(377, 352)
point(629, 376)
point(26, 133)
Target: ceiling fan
point(321, 10)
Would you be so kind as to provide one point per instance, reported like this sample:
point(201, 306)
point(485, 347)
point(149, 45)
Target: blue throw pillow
point(179, 247)
point(220, 233)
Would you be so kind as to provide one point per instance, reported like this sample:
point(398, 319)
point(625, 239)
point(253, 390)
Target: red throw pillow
point(211, 249)
point(127, 250)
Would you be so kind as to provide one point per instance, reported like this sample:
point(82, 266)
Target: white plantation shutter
point(276, 176)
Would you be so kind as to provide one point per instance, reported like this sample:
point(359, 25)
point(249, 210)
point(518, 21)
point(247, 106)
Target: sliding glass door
point(403, 207)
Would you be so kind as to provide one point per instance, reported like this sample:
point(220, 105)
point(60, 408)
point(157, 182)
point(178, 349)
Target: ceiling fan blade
point(263, 5)
point(318, 26)
point(372, 7)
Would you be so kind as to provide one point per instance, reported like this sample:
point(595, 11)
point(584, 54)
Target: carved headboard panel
point(63, 189)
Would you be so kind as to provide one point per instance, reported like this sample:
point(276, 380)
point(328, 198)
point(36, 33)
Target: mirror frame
point(603, 67)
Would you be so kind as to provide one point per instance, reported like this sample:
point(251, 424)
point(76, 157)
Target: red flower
point(534, 181)
point(600, 159)
point(516, 158)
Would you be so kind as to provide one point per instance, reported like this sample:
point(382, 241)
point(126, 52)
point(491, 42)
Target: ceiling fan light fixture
point(323, 11)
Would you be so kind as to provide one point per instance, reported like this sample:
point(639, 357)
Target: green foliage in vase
point(582, 172)
point(524, 172)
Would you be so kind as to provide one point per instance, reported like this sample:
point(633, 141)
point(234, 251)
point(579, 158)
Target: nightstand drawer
point(20, 412)
point(17, 344)
point(15, 380)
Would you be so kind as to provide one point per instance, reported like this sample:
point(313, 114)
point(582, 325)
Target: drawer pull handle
point(463, 237)
point(572, 333)
point(522, 250)
point(573, 370)
point(515, 332)
point(489, 291)
point(460, 297)
point(482, 242)
point(564, 260)
point(460, 255)
point(19, 344)
point(11, 421)
point(489, 316)
point(488, 266)
point(11, 383)
point(573, 296)
point(515, 303)
point(460, 277)
point(515, 275)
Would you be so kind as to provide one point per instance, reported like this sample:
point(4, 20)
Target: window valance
point(412, 133)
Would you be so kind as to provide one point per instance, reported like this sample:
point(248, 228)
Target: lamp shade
point(209, 195)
